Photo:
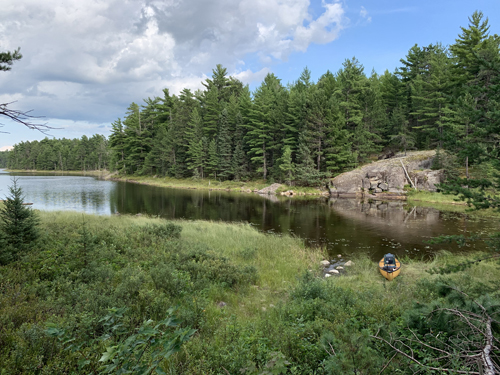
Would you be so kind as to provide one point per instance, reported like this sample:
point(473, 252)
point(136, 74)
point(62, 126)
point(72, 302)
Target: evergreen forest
point(444, 97)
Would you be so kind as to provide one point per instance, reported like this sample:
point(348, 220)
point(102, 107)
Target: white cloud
point(87, 60)
point(249, 76)
point(364, 14)
point(6, 148)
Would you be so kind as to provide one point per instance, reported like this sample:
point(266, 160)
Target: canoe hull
point(388, 274)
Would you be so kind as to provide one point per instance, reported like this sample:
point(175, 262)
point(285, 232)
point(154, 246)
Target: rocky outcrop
point(270, 189)
point(388, 176)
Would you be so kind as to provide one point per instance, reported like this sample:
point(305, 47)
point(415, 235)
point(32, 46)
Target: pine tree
point(318, 121)
point(413, 74)
point(305, 169)
point(7, 58)
point(468, 46)
point(338, 143)
point(224, 144)
point(352, 86)
point(137, 139)
point(401, 136)
point(267, 118)
point(213, 159)
point(431, 98)
point(18, 223)
point(286, 165)
point(196, 150)
point(183, 107)
point(117, 145)
point(239, 162)
point(295, 121)
point(219, 84)
point(211, 112)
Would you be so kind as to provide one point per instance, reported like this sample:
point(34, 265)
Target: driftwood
point(407, 175)
point(385, 196)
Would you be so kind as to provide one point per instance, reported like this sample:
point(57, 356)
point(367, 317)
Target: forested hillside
point(440, 97)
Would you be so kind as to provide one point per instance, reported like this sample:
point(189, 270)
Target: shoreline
point(415, 198)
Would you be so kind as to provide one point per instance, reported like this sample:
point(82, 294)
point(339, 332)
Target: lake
point(343, 226)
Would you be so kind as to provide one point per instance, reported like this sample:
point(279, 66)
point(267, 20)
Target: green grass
point(210, 184)
point(433, 197)
point(276, 301)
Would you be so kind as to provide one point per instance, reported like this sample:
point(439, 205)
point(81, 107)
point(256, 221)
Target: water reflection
point(342, 226)
point(66, 193)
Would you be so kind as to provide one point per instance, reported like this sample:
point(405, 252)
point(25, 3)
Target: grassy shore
point(97, 173)
point(208, 184)
point(256, 301)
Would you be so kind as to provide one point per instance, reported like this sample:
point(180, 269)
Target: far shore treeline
point(440, 97)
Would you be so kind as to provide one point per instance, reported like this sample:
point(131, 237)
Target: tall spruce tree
point(18, 225)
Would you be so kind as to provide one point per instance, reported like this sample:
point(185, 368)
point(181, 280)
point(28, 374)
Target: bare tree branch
point(24, 118)
point(413, 359)
point(474, 346)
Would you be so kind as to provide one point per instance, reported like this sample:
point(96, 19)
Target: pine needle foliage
point(18, 223)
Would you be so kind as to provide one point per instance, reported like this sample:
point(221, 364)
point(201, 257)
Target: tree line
point(440, 97)
point(60, 154)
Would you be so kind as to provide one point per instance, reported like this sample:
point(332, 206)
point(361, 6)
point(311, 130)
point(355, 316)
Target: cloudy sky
point(84, 62)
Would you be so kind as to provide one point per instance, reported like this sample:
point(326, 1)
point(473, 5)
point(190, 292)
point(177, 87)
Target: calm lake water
point(343, 226)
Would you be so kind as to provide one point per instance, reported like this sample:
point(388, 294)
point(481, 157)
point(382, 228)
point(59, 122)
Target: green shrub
point(203, 265)
point(310, 287)
point(171, 281)
point(164, 230)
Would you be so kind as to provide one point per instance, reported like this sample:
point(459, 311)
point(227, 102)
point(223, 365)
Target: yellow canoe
point(389, 266)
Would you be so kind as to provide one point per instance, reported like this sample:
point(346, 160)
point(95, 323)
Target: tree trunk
point(467, 168)
point(264, 157)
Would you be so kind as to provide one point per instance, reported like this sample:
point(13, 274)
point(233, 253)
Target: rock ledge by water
point(387, 178)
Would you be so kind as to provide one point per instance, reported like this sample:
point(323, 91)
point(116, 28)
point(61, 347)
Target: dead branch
point(24, 118)
point(474, 347)
point(413, 359)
